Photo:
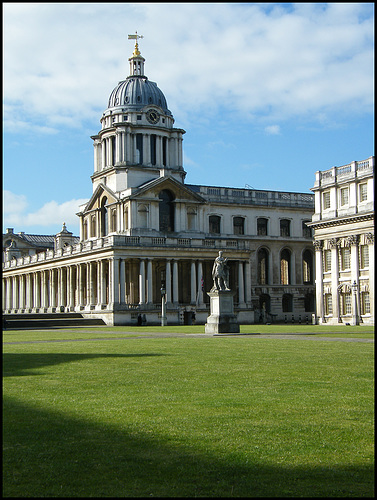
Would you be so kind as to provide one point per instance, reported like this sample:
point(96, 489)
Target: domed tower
point(137, 142)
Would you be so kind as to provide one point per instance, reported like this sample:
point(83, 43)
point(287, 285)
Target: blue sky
point(268, 94)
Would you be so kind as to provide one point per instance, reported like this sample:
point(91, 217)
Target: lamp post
point(163, 306)
point(355, 315)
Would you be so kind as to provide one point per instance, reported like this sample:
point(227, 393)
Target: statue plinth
point(222, 318)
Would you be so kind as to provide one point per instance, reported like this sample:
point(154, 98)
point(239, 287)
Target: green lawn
point(187, 416)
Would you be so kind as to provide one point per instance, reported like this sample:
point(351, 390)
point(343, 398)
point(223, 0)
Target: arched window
point(85, 228)
point(309, 302)
point(287, 303)
point(285, 267)
point(142, 215)
point(93, 227)
point(104, 217)
point(113, 220)
point(125, 218)
point(262, 267)
point(166, 211)
point(265, 303)
point(139, 149)
point(307, 267)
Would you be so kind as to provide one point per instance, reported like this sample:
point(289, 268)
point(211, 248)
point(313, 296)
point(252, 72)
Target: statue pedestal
point(222, 318)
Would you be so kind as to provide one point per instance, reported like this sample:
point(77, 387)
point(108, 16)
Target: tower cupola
point(137, 141)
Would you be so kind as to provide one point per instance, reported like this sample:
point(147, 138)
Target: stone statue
point(220, 273)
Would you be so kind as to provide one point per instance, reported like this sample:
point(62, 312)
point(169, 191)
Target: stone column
point(44, 299)
point(52, 289)
point(370, 242)
point(21, 289)
point(30, 289)
point(14, 293)
point(175, 282)
point(73, 285)
point(193, 283)
point(292, 276)
point(146, 149)
point(168, 282)
point(142, 282)
point(248, 282)
point(80, 271)
point(103, 153)
point(241, 288)
point(333, 245)
point(318, 245)
point(110, 150)
point(128, 152)
point(115, 280)
point(353, 242)
point(200, 277)
point(149, 282)
point(122, 281)
point(37, 290)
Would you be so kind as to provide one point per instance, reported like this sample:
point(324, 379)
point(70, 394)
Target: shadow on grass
point(50, 454)
point(20, 364)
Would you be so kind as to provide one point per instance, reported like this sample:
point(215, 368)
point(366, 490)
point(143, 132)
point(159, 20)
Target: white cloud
point(272, 130)
point(51, 213)
point(13, 204)
point(61, 61)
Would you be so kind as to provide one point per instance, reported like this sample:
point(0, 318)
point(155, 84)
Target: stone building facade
point(144, 229)
point(343, 225)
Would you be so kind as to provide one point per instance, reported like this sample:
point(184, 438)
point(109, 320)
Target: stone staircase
point(48, 320)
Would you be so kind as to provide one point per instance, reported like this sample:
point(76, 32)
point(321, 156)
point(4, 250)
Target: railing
point(126, 241)
point(254, 197)
point(350, 169)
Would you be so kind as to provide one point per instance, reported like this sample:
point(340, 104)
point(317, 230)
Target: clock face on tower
point(152, 116)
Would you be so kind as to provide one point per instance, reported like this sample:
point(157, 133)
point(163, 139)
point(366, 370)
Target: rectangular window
point(363, 192)
point(347, 303)
point(262, 227)
point(285, 227)
point(328, 304)
point(327, 260)
point(214, 224)
point(364, 256)
point(344, 196)
point(365, 303)
point(326, 200)
point(345, 258)
point(306, 230)
point(239, 225)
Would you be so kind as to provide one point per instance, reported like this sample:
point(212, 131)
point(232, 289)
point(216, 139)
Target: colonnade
point(337, 281)
point(122, 147)
point(116, 281)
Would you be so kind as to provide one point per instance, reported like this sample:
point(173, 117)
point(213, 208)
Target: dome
point(136, 92)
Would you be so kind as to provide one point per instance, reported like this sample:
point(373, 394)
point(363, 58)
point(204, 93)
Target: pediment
point(96, 199)
point(153, 188)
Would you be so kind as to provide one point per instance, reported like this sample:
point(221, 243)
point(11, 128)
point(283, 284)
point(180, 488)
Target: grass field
point(187, 416)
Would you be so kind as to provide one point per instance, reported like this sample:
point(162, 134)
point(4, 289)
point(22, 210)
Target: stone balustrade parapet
point(346, 172)
point(126, 241)
point(248, 196)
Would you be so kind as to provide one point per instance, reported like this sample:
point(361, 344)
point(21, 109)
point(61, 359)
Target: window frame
point(211, 219)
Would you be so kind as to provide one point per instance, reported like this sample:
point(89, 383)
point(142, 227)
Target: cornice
point(339, 221)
